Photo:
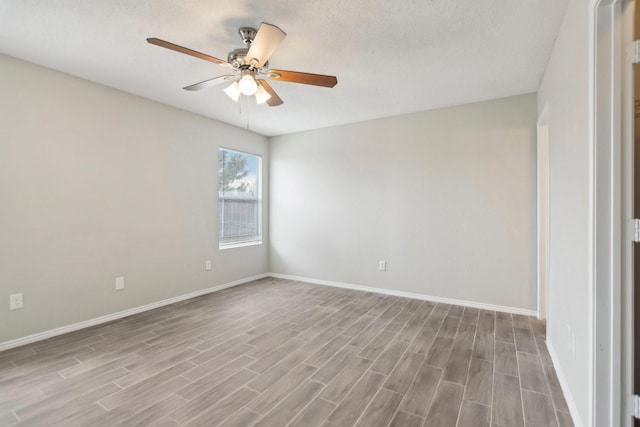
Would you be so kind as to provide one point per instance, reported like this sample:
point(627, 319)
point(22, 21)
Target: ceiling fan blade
point(275, 99)
point(265, 43)
point(211, 82)
point(187, 51)
point(304, 78)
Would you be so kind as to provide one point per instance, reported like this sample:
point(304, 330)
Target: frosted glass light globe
point(248, 85)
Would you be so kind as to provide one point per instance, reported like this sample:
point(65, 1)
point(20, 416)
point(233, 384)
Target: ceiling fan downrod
point(247, 34)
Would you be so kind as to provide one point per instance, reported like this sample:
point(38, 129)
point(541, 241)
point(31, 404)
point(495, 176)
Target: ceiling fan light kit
point(251, 66)
point(247, 83)
point(262, 95)
point(233, 91)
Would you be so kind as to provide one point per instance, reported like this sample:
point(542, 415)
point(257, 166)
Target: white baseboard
point(480, 305)
point(119, 315)
point(573, 409)
point(109, 317)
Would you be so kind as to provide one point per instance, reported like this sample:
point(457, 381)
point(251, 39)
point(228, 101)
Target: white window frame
point(257, 199)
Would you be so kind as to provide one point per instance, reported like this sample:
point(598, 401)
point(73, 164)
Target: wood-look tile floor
point(283, 353)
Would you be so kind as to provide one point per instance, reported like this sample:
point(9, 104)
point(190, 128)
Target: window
point(239, 198)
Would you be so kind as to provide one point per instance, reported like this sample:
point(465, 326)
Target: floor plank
point(417, 399)
point(314, 414)
point(348, 412)
point(507, 403)
point(403, 419)
point(446, 405)
point(287, 409)
point(381, 409)
point(538, 410)
point(474, 415)
point(479, 387)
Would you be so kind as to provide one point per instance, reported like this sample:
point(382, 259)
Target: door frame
point(610, 202)
point(628, 135)
point(543, 212)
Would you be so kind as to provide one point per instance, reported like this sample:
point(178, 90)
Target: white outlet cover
point(207, 265)
point(382, 265)
point(16, 301)
point(119, 283)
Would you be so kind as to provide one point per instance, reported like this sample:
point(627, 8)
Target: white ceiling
point(390, 57)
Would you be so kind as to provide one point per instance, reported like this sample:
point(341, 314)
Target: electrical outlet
point(382, 265)
point(119, 283)
point(16, 301)
point(207, 265)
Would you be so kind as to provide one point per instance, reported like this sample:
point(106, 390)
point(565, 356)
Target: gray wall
point(446, 197)
point(96, 183)
point(565, 89)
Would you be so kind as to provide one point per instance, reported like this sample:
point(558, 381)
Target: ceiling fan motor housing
point(238, 58)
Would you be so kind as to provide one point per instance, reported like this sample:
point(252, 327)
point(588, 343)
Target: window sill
point(239, 245)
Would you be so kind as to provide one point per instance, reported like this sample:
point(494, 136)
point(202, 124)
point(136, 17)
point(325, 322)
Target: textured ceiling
point(390, 58)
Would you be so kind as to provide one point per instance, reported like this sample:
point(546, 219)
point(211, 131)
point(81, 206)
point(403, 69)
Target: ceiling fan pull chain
point(248, 109)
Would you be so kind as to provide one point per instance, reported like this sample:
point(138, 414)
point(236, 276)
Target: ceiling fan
point(249, 66)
